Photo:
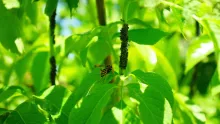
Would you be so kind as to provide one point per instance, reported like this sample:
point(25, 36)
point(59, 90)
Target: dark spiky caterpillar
point(52, 26)
point(52, 70)
point(124, 46)
point(52, 42)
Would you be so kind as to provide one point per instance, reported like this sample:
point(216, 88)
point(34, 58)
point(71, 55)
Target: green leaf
point(22, 64)
point(137, 21)
point(4, 113)
point(52, 99)
point(10, 28)
point(150, 3)
point(147, 36)
point(90, 111)
point(83, 56)
point(39, 69)
point(80, 41)
point(177, 14)
point(26, 113)
point(72, 4)
point(95, 55)
point(212, 26)
point(142, 57)
point(154, 108)
point(31, 12)
point(9, 92)
point(77, 95)
point(157, 82)
point(51, 6)
point(130, 116)
point(215, 84)
point(197, 51)
point(108, 118)
point(129, 8)
point(165, 69)
point(190, 112)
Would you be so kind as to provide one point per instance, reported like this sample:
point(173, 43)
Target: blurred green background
point(187, 57)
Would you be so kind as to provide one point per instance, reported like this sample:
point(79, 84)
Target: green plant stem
point(102, 21)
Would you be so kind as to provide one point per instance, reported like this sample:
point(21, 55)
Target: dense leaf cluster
point(169, 54)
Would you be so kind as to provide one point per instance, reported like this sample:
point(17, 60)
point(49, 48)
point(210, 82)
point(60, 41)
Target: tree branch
point(101, 12)
point(102, 21)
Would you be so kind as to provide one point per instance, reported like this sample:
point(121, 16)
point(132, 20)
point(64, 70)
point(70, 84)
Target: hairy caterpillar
point(124, 46)
point(106, 70)
point(52, 70)
point(52, 26)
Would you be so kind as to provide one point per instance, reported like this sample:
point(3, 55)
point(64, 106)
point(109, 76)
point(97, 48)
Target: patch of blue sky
point(66, 23)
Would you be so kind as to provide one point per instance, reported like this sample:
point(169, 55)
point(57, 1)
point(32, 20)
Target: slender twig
point(101, 12)
point(102, 21)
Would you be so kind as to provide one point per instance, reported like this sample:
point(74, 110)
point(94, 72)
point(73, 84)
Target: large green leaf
point(80, 41)
point(148, 36)
point(72, 4)
point(10, 28)
point(104, 42)
point(157, 82)
point(128, 9)
point(26, 113)
point(83, 56)
point(108, 118)
point(10, 91)
point(154, 108)
point(189, 112)
point(39, 69)
point(212, 26)
point(77, 95)
point(4, 113)
point(94, 55)
point(142, 57)
point(52, 99)
point(22, 64)
point(165, 69)
point(90, 111)
point(51, 6)
point(198, 50)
